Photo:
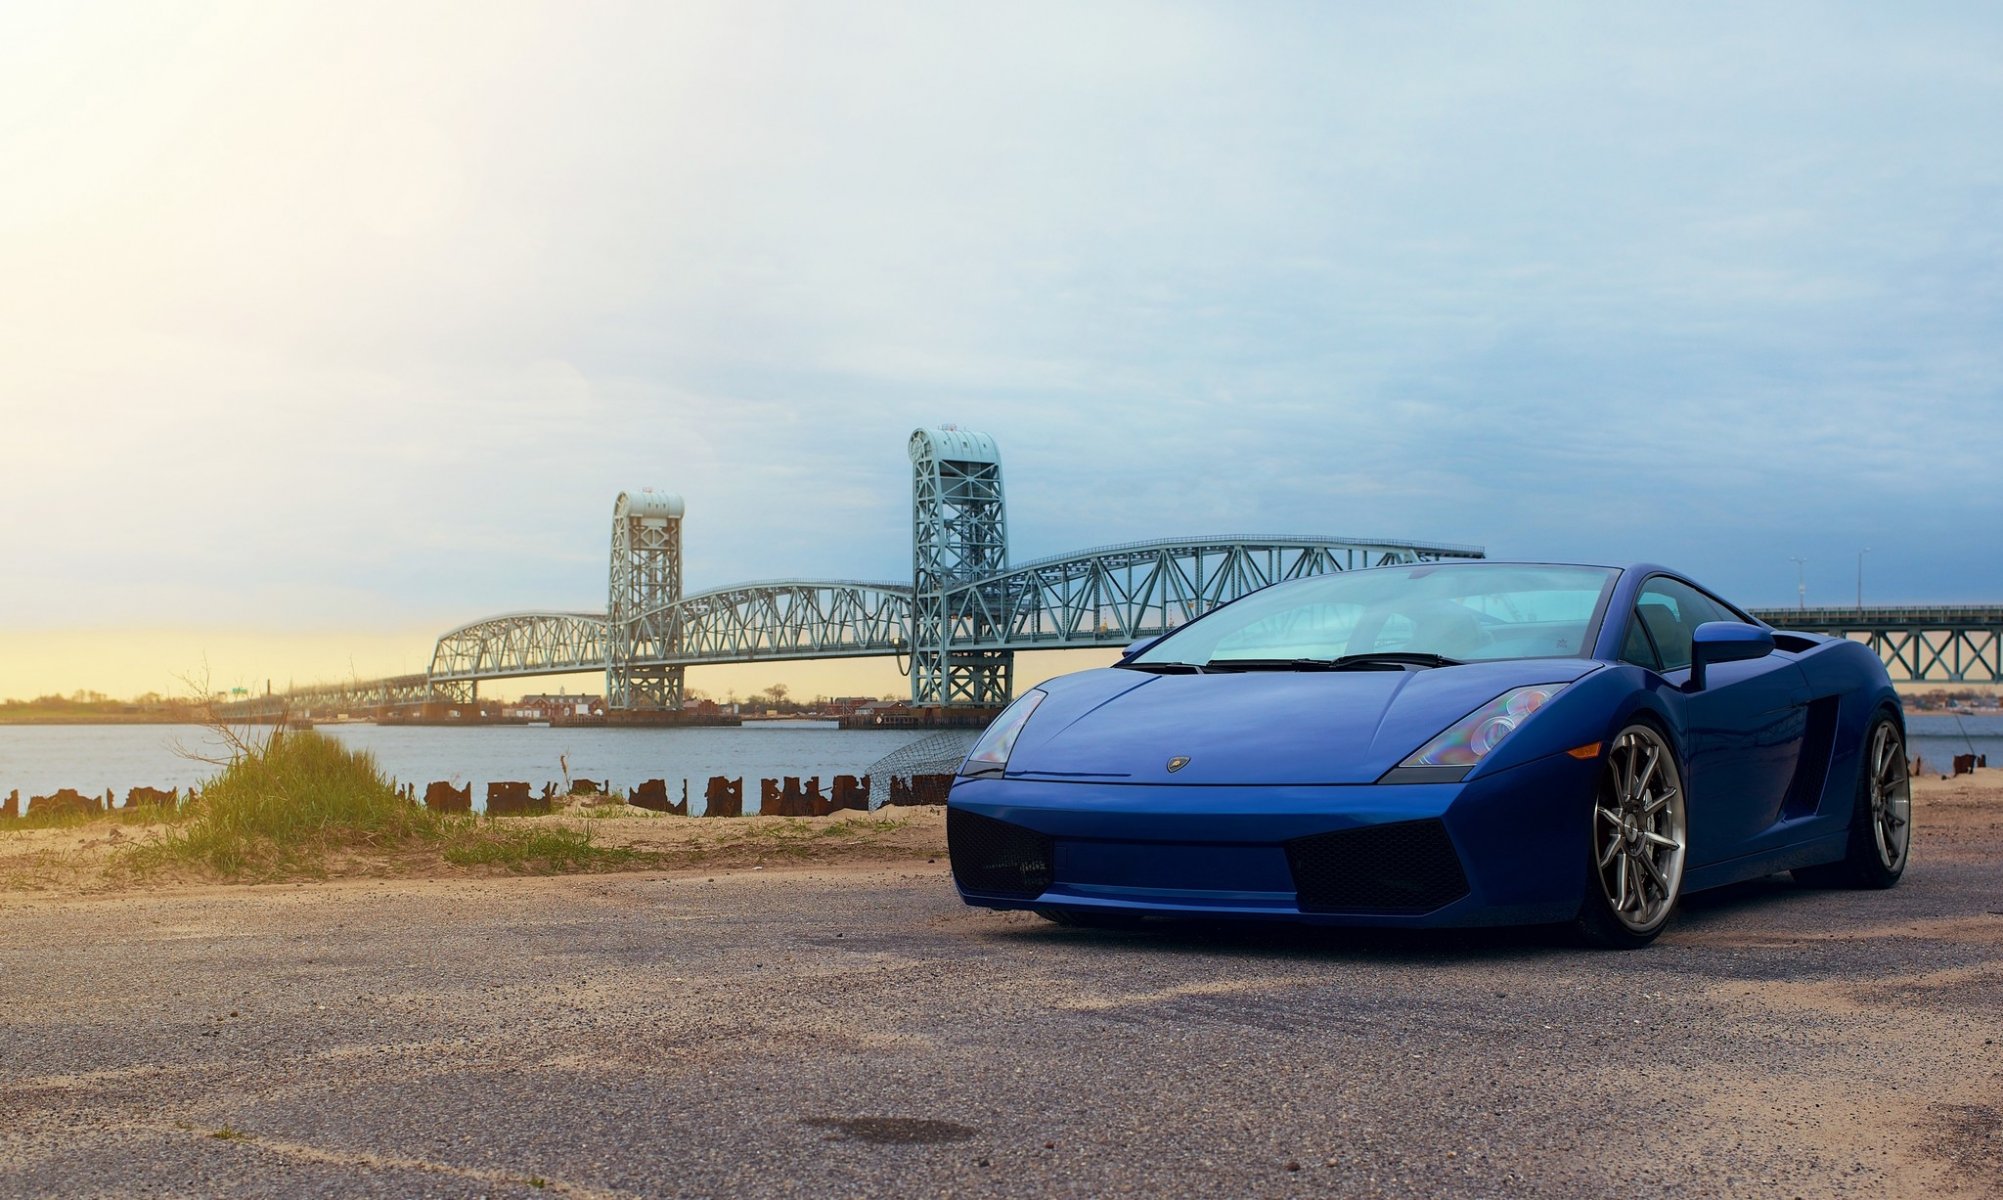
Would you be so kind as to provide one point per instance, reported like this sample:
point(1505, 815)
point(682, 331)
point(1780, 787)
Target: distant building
point(546, 707)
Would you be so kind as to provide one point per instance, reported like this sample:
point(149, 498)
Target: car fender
point(1591, 710)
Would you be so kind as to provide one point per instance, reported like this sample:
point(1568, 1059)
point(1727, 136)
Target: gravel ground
point(827, 1032)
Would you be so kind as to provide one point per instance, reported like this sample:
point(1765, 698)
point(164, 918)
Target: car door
point(1741, 735)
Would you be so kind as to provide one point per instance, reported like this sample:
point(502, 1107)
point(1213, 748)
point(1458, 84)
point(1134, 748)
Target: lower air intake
point(1409, 867)
point(995, 857)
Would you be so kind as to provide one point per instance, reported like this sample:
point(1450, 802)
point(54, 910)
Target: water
point(1937, 738)
point(38, 759)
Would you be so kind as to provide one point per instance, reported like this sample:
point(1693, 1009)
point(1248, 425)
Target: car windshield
point(1424, 614)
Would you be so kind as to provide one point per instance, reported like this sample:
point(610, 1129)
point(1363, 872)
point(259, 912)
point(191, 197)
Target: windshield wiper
point(1295, 664)
point(1391, 660)
point(1164, 668)
point(1417, 658)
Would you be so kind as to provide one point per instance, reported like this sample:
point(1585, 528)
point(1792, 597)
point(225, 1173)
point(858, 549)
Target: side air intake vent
point(1409, 867)
point(995, 857)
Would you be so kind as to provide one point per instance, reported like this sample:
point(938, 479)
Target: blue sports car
point(1441, 745)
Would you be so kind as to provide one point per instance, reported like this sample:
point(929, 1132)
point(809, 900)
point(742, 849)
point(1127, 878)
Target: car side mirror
point(1137, 648)
point(1723, 642)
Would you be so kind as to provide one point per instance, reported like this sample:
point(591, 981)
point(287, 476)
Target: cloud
point(310, 319)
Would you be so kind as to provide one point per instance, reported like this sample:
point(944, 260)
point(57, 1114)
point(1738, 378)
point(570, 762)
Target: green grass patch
point(282, 809)
point(794, 838)
point(540, 850)
point(287, 808)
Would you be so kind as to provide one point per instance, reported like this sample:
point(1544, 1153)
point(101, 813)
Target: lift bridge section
point(957, 623)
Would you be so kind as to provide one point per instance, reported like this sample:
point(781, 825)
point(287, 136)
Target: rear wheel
point(1634, 863)
point(1881, 823)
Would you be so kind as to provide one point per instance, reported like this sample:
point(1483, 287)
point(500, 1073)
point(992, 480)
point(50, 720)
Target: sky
point(326, 328)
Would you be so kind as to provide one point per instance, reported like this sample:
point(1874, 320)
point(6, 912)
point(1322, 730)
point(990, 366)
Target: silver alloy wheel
point(1638, 829)
point(1891, 797)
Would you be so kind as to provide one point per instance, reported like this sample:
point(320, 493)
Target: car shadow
point(1736, 898)
point(1276, 939)
point(1699, 913)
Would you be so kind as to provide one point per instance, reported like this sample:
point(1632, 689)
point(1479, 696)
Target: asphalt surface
point(863, 1034)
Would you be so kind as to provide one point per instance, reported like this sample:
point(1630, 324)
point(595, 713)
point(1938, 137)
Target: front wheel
point(1634, 863)
point(1881, 821)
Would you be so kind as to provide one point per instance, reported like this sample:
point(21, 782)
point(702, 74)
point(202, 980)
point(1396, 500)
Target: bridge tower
point(959, 533)
point(640, 613)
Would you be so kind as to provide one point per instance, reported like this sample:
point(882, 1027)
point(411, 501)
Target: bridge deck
point(1105, 597)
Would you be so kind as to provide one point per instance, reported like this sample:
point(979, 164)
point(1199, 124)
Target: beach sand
point(1955, 818)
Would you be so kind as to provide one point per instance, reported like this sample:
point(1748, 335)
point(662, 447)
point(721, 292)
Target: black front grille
point(996, 857)
point(1408, 867)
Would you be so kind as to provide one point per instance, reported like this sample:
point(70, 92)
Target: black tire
point(1881, 816)
point(1637, 841)
point(1081, 918)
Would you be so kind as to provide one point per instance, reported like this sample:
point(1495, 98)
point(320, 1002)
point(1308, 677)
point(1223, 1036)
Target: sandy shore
point(1954, 818)
point(86, 858)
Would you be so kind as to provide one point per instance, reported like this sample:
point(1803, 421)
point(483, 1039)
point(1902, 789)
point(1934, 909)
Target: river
point(38, 759)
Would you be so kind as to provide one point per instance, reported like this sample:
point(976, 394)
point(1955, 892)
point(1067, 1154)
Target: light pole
point(1860, 575)
point(1800, 581)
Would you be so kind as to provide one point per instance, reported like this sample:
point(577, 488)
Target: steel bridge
point(955, 627)
point(1920, 644)
point(1104, 597)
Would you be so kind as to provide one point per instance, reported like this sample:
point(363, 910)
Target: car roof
point(1639, 568)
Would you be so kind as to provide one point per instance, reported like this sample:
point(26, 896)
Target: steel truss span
point(1920, 644)
point(793, 619)
point(518, 644)
point(1102, 597)
point(746, 622)
point(1117, 594)
point(361, 695)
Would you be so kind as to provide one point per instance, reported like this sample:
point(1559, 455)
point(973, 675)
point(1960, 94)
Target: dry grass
point(302, 803)
point(305, 807)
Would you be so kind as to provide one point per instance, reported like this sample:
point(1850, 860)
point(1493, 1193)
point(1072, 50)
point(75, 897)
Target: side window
point(1672, 612)
point(1637, 649)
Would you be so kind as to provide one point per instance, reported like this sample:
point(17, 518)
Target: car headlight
point(990, 754)
point(1469, 740)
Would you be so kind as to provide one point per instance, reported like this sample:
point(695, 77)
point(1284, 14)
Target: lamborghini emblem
point(1178, 763)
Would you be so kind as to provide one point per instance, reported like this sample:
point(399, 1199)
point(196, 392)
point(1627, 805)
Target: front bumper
point(1506, 848)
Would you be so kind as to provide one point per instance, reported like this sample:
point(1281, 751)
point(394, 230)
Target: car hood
point(1256, 727)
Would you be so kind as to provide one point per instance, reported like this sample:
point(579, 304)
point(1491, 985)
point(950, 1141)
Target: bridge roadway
point(1952, 643)
point(1109, 596)
point(1104, 598)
